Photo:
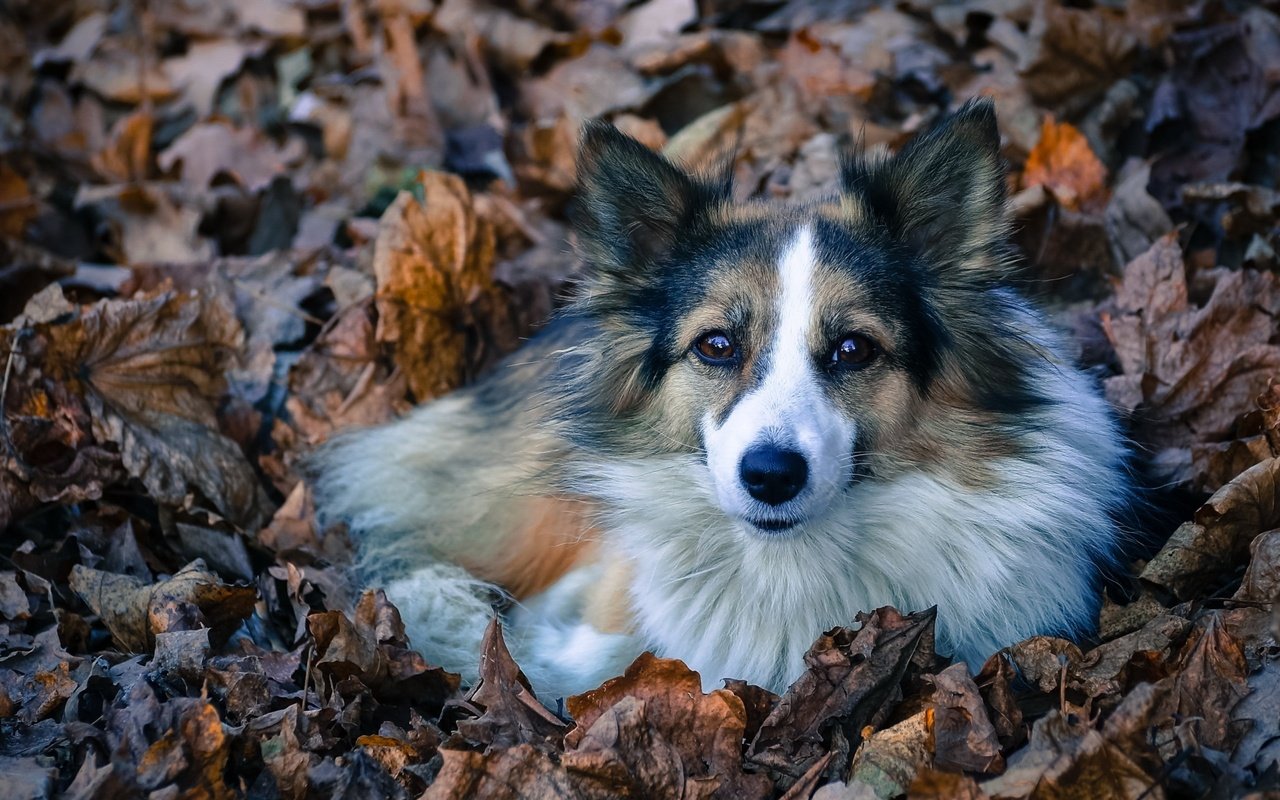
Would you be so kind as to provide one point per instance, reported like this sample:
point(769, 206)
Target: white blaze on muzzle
point(788, 410)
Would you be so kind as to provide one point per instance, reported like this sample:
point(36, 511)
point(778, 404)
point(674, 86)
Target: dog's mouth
point(773, 525)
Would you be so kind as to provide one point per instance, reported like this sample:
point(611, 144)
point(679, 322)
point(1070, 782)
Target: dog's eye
point(715, 347)
point(853, 351)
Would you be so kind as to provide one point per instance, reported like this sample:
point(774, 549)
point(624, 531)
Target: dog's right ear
point(632, 203)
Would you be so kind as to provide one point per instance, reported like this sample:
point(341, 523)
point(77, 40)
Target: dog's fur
point(597, 476)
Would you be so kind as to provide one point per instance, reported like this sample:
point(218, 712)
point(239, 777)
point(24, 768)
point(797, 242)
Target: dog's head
point(799, 349)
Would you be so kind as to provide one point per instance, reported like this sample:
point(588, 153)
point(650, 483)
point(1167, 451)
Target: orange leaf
point(1064, 164)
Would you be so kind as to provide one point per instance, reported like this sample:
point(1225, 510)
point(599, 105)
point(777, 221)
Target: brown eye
point(715, 347)
point(853, 351)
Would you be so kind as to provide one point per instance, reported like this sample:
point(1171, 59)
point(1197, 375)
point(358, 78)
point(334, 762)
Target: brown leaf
point(1066, 757)
point(889, 760)
point(116, 74)
point(17, 206)
point(1262, 579)
point(135, 612)
point(152, 371)
point(852, 679)
point(199, 71)
point(654, 730)
point(1135, 220)
point(1114, 666)
point(963, 737)
point(512, 714)
point(127, 157)
point(1190, 373)
point(1201, 552)
point(1063, 162)
point(1210, 682)
point(1216, 115)
point(519, 773)
point(151, 222)
point(13, 600)
point(598, 82)
point(434, 261)
point(1072, 56)
point(995, 681)
point(933, 785)
point(1259, 748)
point(340, 381)
point(372, 647)
point(1042, 660)
point(210, 149)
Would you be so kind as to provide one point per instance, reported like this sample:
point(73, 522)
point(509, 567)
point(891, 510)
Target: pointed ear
point(632, 203)
point(943, 194)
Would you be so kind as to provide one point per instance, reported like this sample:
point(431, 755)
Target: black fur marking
point(896, 285)
point(943, 194)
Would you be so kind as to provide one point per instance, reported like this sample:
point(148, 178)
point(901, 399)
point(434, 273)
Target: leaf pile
point(230, 228)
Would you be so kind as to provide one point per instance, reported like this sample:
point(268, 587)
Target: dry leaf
point(963, 737)
point(1067, 757)
point(511, 713)
point(1063, 162)
point(655, 732)
point(135, 612)
point(434, 261)
point(1191, 373)
point(851, 680)
point(1200, 552)
point(210, 149)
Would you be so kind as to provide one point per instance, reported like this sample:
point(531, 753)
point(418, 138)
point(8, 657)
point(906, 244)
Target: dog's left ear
point(943, 194)
point(632, 203)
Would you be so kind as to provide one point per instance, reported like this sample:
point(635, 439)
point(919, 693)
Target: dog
point(754, 420)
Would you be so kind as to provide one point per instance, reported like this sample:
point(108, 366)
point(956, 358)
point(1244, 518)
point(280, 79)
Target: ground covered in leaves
point(231, 227)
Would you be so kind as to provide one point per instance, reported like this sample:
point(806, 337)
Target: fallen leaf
point(963, 737)
point(434, 261)
point(1219, 93)
point(511, 714)
point(1261, 581)
point(1190, 372)
point(372, 647)
point(934, 785)
point(518, 773)
point(152, 224)
point(1072, 56)
point(575, 87)
point(1259, 748)
point(1063, 162)
point(127, 157)
point(888, 761)
point(1114, 666)
point(1201, 551)
point(199, 71)
point(210, 149)
point(1210, 681)
point(135, 612)
point(17, 207)
point(852, 678)
point(654, 731)
point(1068, 756)
point(340, 380)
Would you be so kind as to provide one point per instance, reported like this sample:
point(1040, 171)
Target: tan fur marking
point(731, 213)
point(557, 536)
point(608, 603)
point(848, 210)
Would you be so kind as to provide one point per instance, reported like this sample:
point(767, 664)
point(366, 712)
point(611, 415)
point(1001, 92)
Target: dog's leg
point(445, 612)
point(575, 635)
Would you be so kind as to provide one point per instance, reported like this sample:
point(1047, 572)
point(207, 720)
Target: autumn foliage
point(230, 228)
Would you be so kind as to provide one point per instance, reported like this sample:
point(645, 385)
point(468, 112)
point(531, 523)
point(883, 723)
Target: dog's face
point(797, 350)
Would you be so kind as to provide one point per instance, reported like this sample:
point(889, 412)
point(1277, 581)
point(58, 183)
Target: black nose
point(773, 475)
